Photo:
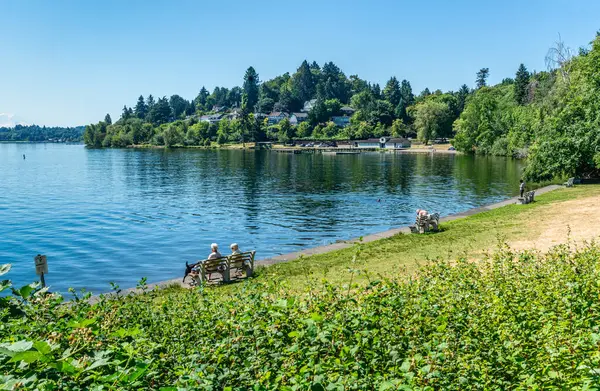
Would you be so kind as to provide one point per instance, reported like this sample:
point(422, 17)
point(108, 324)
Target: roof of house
point(300, 115)
point(340, 116)
point(211, 116)
point(346, 108)
point(278, 114)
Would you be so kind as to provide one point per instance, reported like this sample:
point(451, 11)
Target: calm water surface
point(117, 215)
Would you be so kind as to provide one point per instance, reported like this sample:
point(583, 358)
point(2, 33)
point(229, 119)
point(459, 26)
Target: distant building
point(341, 120)
point(347, 110)
point(211, 118)
point(297, 118)
point(260, 116)
point(234, 114)
point(218, 109)
point(383, 143)
point(308, 105)
point(277, 116)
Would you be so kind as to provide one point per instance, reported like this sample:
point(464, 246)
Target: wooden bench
point(426, 223)
point(527, 197)
point(569, 182)
point(202, 271)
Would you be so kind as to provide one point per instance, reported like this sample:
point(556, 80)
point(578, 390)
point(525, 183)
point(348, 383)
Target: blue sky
point(70, 62)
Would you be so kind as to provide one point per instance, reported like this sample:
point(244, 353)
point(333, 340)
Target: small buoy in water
point(23, 156)
point(378, 200)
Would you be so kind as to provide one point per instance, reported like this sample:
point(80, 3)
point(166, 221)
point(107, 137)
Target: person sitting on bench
point(214, 254)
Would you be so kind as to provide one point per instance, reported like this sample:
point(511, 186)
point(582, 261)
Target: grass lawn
point(467, 238)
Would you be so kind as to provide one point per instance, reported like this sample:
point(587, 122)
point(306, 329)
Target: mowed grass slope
point(467, 238)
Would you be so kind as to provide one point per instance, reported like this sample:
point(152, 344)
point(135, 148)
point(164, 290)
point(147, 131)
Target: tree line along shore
point(551, 117)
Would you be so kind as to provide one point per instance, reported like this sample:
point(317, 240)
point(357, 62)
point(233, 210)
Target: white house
point(308, 105)
point(296, 118)
point(211, 118)
point(383, 143)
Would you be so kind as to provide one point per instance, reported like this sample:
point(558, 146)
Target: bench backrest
point(238, 260)
point(212, 265)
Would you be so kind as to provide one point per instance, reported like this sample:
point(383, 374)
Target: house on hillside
point(277, 116)
point(341, 120)
point(211, 118)
point(347, 110)
point(218, 109)
point(260, 116)
point(234, 114)
point(383, 143)
point(308, 105)
point(297, 118)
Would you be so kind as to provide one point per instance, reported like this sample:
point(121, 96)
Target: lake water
point(117, 215)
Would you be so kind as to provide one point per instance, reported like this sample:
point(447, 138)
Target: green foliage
point(41, 133)
point(250, 88)
point(514, 321)
point(482, 76)
point(303, 130)
point(430, 117)
point(555, 121)
point(521, 85)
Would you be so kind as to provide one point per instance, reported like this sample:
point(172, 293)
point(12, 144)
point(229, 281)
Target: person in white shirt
point(214, 252)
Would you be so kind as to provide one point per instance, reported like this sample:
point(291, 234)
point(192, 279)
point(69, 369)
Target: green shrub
point(514, 321)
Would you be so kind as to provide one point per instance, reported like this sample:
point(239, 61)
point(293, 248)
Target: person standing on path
point(521, 187)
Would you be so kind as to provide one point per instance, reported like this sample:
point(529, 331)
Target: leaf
point(25, 291)
point(316, 317)
point(293, 334)
point(386, 385)
point(20, 346)
point(141, 369)
point(5, 268)
point(28, 356)
point(42, 347)
point(405, 366)
point(81, 324)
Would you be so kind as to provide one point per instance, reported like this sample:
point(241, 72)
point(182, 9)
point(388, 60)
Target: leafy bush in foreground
point(514, 321)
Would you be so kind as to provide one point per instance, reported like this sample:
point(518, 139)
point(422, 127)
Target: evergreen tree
point(107, 119)
point(391, 92)
point(141, 109)
point(251, 88)
point(482, 76)
point(303, 84)
point(333, 84)
point(407, 98)
point(160, 112)
point(201, 99)
point(425, 93)
point(376, 91)
point(150, 102)
point(178, 106)
point(234, 97)
point(125, 113)
point(521, 84)
point(461, 96)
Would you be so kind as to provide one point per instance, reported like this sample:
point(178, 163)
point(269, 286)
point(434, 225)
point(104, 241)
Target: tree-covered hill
point(549, 116)
point(42, 133)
